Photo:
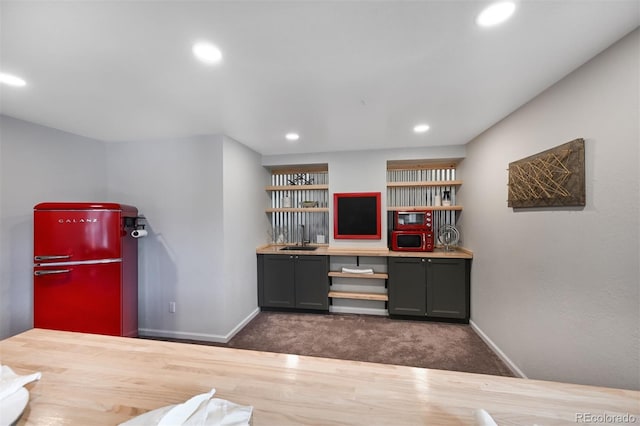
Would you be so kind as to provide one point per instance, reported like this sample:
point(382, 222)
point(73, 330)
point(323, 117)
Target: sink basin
point(302, 248)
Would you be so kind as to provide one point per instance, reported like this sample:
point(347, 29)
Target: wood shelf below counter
point(357, 295)
point(377, 276)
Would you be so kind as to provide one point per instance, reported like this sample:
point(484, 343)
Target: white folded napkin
point(10, 382)
point(181, 412)
point(199, 410)
point(483, 418)
point(357, 271)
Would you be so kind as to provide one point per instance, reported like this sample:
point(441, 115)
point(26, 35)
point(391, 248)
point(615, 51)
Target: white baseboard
point(357, 310)
point(241, 325)
point(512, 366)
point(205, 337)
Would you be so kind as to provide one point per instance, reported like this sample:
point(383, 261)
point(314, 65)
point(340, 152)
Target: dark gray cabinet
point(276, 287)
point(293, 281)
point(448, 288)
point(431, 287)
point(312, 282)
point(406, 286)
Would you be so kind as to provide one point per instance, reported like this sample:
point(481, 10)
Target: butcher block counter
point(324, 250)
point(104, 380)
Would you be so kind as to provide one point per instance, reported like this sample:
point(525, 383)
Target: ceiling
point(345, 75)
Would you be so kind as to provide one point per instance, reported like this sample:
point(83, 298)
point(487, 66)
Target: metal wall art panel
point(551, 178)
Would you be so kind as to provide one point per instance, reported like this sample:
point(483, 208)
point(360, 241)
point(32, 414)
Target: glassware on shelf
point(446, 198)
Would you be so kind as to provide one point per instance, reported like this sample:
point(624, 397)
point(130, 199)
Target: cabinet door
point(407, 286)
point(448, 288)
point(278, 281)
point(312, 282)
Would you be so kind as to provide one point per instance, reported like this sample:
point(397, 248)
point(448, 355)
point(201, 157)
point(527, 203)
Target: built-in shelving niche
point(414, 185)
point(299, 204)
point(358, 293)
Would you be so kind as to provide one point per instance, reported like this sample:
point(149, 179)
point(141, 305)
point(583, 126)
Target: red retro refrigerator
point(85, 268)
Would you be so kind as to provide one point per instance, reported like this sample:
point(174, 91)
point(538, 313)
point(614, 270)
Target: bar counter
point(103, 380)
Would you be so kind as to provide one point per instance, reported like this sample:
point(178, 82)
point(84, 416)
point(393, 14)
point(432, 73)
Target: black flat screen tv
point(356, 216)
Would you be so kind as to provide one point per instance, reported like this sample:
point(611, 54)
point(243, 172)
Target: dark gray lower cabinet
point(407, 286)
point(276, 286)
point(312, 282)
point(448, 288)
point(432, 287)
point(293, 281)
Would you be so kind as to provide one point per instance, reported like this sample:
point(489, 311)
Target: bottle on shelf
point(446, 198)
point(286, 201)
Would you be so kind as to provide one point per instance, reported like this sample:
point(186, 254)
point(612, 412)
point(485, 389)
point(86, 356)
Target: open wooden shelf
point(352, 275)
point(423, 164)
point(424, 183)
point(296, 187)
point(416, 208)
point(361, 296)
point(300, 168)
point(297, 209)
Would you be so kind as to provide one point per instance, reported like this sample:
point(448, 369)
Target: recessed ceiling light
point(496, 13)
point(292, 136)
point(207, 53)
point(421, 128)
point(11, 80)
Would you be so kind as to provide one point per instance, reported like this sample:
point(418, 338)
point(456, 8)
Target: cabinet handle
point(291, 257)
point(422, 260)
point(429, 261)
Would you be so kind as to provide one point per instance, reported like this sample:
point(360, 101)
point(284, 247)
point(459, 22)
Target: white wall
point(557, 289)
point(358, 172)
point(37, 164)
point(201, 200)
point(362, 171)
point(245, 228)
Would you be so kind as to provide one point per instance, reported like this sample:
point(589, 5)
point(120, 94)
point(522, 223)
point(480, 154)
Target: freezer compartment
point(76, 235)
point(89, 298)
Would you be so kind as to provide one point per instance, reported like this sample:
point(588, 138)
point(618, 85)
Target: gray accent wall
point(557, 289)
point(37, 164)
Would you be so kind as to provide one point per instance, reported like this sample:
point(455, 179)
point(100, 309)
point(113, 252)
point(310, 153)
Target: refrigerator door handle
point(68, 256)
point(51, 272)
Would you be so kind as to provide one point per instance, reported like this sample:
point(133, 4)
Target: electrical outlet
point(172, 307)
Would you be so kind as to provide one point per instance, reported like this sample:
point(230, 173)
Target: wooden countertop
point(104, 380)
point(324, 250)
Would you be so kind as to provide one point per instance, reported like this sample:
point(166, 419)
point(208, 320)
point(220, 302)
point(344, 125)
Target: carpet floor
point(373, 339)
